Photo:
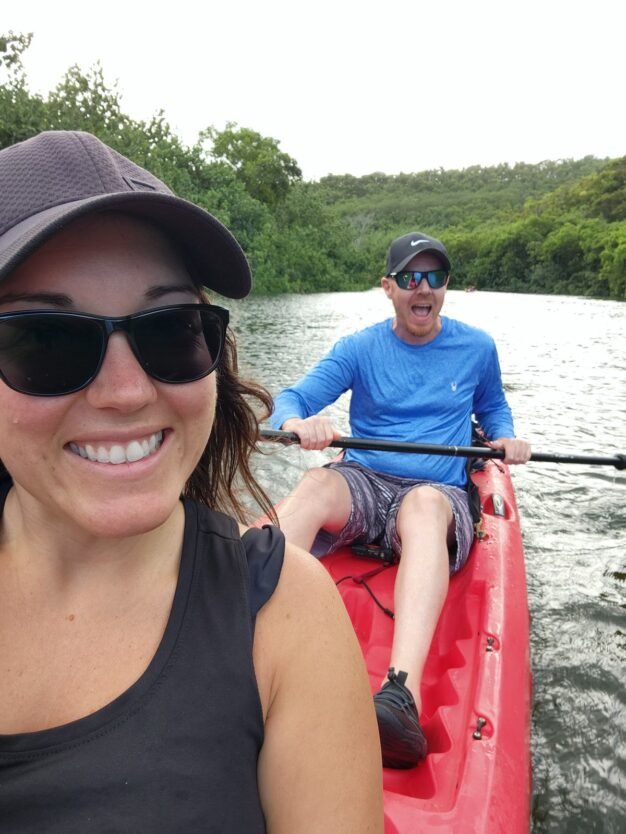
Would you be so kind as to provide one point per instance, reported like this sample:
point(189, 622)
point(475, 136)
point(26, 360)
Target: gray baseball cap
point(58, 176)
point(404, 248)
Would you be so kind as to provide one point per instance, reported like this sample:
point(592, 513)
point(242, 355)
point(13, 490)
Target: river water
point(564, 369)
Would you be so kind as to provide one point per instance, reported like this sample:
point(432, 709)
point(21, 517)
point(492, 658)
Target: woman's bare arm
point(320, 765)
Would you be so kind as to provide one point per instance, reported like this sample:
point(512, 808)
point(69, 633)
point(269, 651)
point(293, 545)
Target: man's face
point(417, 311)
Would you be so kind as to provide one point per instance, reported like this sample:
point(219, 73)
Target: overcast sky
point(354, 86)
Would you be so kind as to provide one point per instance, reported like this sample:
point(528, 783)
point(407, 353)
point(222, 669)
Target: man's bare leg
point(425, 524)
point(321, 500)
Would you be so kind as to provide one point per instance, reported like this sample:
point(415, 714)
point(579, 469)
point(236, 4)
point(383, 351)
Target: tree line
point(555, 227)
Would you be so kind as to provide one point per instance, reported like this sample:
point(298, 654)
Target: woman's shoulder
point(303, 631)
point(303, 581)
point(304, 605)
point(299, 584)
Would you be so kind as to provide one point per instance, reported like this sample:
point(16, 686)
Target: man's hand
point(515, 451)
point(314, 432)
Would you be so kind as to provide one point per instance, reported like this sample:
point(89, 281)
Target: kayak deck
point(476, 687)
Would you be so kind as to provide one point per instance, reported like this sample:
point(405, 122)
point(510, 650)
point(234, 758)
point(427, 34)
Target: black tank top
point(177, 752)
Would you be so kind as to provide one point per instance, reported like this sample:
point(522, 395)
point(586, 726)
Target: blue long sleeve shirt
point(411, 393)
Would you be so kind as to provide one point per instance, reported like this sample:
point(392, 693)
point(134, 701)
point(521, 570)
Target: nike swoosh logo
point(416, 242)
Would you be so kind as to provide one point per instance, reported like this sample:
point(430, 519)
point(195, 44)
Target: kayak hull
point(476, 688)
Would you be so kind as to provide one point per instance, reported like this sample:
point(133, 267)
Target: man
point(417, 377)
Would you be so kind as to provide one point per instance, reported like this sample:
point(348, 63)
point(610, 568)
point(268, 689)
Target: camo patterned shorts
point(376, 499)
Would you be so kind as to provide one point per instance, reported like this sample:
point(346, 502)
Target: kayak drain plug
point(479, 725)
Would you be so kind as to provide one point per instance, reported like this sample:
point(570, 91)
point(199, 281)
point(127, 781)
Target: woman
point(163, 670)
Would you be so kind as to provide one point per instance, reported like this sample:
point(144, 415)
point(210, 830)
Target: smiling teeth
point(131, 452)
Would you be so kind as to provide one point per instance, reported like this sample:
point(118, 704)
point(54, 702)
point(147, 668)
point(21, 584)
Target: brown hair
point(223, 476)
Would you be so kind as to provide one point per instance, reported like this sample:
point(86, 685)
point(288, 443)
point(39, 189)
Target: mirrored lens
point(410, 280)
point(49, 354)
point(178, 345)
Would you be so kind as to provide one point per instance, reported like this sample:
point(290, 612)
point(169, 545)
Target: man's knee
point(319, 478)
point(323, 486)
point(423, 503)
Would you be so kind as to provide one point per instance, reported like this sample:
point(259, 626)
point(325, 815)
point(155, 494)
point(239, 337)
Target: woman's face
point(107, 265)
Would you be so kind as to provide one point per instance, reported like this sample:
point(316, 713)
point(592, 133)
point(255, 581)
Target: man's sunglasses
point(410, 280)
point(48, 353)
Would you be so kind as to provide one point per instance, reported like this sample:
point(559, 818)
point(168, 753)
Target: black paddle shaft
point(288, 438)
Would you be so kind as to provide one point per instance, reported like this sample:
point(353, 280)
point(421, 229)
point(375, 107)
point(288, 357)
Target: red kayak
point(476, 688)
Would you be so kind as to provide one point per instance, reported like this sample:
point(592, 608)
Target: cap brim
point(212, 254)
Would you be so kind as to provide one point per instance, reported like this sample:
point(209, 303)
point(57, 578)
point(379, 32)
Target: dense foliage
point(555, 227)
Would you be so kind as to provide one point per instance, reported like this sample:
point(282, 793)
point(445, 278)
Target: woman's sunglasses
point(48, 353)
point(411, 280)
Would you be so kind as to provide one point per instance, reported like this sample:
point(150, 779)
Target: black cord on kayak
point(359, 579)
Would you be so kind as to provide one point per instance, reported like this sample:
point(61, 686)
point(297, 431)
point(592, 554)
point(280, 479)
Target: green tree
point(266, 172)
point(12, 47)
point(613, 261)
point(21, 113)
